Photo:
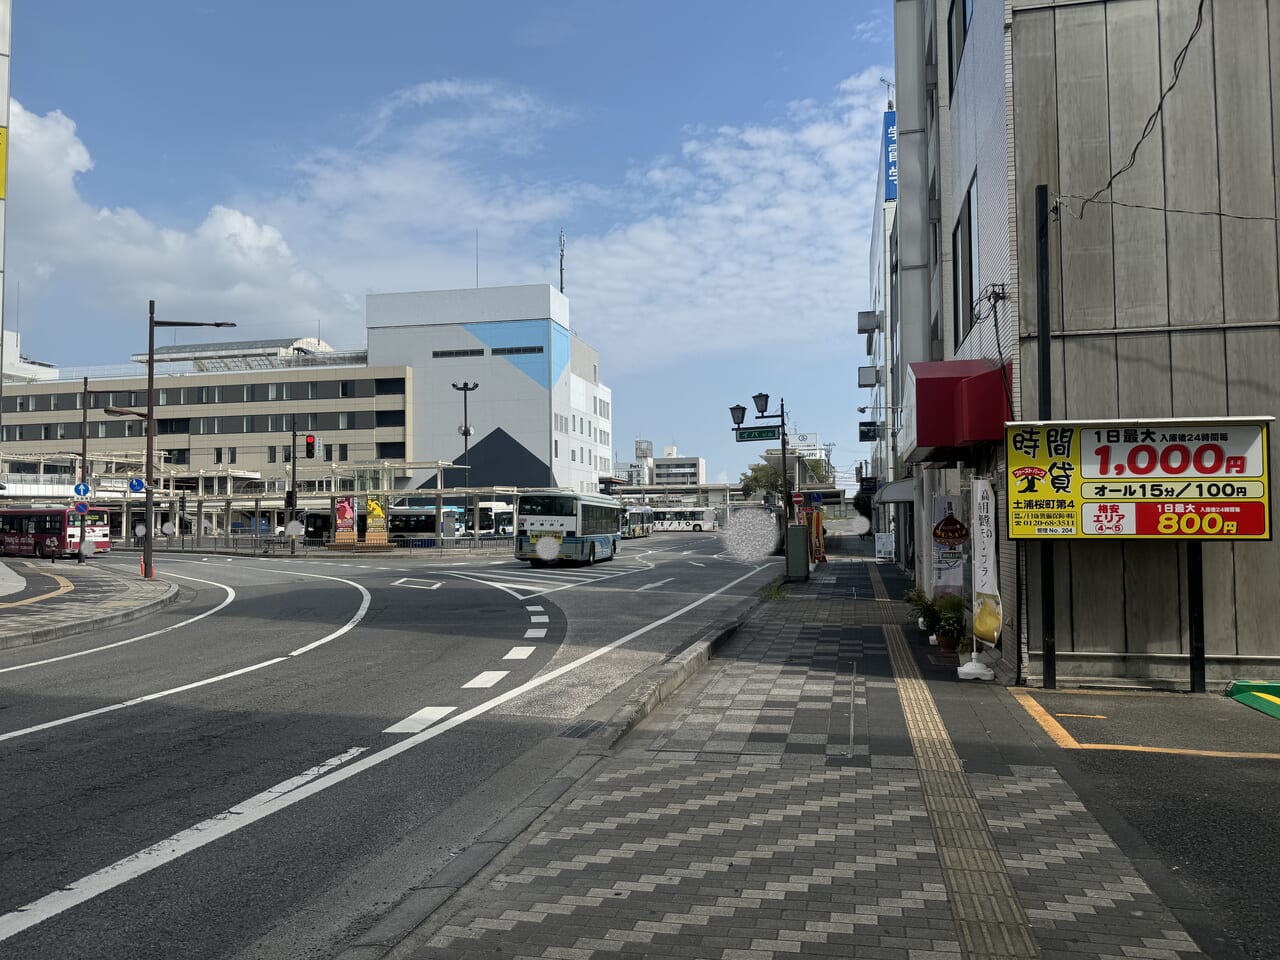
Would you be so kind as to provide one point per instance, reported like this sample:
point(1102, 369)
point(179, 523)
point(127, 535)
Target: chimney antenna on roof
point(562, 261)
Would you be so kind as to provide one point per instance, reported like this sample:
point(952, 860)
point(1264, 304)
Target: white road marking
point(695, 563)
point(650, 586)
point(418, 584)
point(13, 735)
point(533, 608)
point(486, 679)
point(535, 633)
point(253, 810)
point(231, 595)
point(293, 783)
point(520, 653)
point(345, 628)
point(539, 618)
point(420, 720)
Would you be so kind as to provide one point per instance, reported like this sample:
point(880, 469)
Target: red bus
point(52, 531)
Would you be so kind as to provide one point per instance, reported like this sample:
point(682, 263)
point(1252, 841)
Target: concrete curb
point(500, 842)
point(59, 631)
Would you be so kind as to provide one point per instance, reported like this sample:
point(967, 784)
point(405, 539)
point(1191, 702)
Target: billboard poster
point(375, 516)
point(885, 547)
point(1139, 479)
point(346, 511)
point(988, 615)
point(891, 155)
point(949, 537)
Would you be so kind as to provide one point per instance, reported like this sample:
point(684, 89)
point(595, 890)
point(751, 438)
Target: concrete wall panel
point(1199, 374)
point(1035, 111)
point(1143, 365)
point(1090, 375)
point(1253, 364)
point(1153, 591)
point(1246, 161)
point(1098, 613)
point(1084, 149)
point(1133, 82)
point(1191, 168)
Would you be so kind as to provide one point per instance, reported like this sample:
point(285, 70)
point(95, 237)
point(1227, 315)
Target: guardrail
point(244, 544)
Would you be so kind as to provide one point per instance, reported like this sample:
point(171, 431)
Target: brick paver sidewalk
point(801, 798)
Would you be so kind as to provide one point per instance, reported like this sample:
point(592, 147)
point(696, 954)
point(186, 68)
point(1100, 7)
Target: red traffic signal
point(311, 446)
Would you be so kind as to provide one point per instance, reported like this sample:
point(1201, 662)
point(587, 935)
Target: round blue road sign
point(82, 507)
point(82, 489)
point(137, 485)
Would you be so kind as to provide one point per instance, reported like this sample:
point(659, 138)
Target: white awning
point(900, 491)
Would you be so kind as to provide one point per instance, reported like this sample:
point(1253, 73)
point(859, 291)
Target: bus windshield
point(544, 505)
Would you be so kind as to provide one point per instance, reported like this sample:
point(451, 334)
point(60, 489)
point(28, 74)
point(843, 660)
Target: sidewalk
point(42, 600)
point(803, 796)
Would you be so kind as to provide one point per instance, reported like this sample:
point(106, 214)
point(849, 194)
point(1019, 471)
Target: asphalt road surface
point(270, 765)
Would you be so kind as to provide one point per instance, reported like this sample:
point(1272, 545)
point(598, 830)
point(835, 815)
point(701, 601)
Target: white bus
point(695, 519)
point(637, 521)
point(562, 525)
point(497, 518)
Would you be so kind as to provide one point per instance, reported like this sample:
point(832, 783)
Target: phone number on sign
point(1201, 519)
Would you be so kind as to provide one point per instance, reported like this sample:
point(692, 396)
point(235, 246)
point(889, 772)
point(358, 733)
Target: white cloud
point(718, 240)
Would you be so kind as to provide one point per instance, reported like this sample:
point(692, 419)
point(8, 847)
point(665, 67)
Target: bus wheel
point(38, 547)
point(591, 554)
point(697, 528)
point(537, 562)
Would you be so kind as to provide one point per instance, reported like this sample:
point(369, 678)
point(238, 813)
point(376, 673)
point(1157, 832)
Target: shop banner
point(1139, 479)
point(346, 511)
point(375, 521)
point(949, 538)
point(988, 616)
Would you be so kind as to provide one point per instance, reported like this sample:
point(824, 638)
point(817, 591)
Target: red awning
point(959, 404)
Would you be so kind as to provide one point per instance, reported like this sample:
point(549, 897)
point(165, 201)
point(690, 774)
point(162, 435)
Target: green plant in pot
point(952, 626)
point(923, 606)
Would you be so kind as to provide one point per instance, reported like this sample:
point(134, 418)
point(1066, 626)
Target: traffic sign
point(797, 499)
point(758, 433)
point(815, 496)
point(137, 485)
point(82, 507)
point(82, 489)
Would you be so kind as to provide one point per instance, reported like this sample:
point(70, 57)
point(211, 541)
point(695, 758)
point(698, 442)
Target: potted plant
point(924, 608)
point(951, 620)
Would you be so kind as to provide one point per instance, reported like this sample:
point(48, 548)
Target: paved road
point(341, 729)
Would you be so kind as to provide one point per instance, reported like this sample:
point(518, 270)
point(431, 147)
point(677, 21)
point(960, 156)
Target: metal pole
point(1195, 612)
point(293, 482)
point(148, 567)
point(786, 491)
point(1049, 651)
point(84, 457)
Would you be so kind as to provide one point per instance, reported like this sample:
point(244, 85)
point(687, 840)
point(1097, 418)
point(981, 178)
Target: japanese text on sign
point(1145, 479)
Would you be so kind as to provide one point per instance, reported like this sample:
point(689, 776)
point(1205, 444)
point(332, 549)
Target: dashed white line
point(519, 653)
point(486, 679)
point(535, 633)
point(420, 720)
point(539, 618)
point(650, 586)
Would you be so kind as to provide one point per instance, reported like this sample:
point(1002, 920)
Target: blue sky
point(713, 167)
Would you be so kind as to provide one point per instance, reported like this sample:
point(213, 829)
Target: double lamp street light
point(761, 400)
point(148, 542)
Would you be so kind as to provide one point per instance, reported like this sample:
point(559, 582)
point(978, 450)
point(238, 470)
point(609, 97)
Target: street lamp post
point(148, 567)
point(84, 460)
point(465, 430)
point(761, 400)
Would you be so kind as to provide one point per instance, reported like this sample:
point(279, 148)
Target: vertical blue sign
point(891, 155)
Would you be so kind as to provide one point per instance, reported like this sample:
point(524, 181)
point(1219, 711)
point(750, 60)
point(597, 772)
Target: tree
point(819, 470)
point(760, 478)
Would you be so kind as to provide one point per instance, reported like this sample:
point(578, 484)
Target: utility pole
point(292, 510)
point(84, 459)
point(465, 430)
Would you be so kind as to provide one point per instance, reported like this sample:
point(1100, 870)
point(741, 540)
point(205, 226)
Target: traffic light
point(311, 446)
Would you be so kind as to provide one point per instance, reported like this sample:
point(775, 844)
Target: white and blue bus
point(695, 519)
point(637, 521)
point(562, 525)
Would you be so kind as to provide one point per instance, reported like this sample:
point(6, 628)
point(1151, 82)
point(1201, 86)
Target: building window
point(344, 421)
point(217, 454)
point(231, 454)
point(573, 454)
point(391, 451)
point(286, 454)
point(964, 267)
point(328, 451)
point(447, 354)
point(555, 449)
point(513, 351)
point(958, 18)
point(342, 451)
point(271, 454)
